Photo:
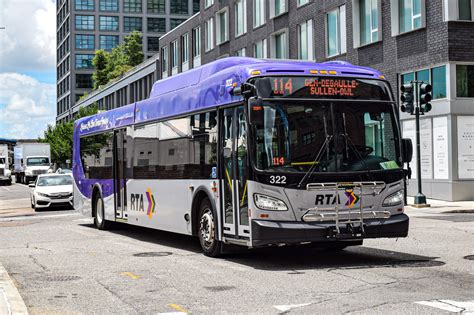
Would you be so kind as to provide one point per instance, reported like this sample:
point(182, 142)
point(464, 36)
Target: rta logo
point(332, 199)
point(137, 203)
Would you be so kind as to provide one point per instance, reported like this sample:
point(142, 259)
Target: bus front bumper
point(272, 232)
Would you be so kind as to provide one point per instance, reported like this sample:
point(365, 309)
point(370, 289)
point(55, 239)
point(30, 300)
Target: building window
point(175, 22)
point(156, 6)
point(108, 23)
point(277, 7)
point(208, 3)
point(409, 15)
point(108, 5)
point(240, 52)
point(260, 49)
point(84, 81)
point(179, 7)
point(222, 21)
point(85, 5)
point(85, 22)
point(85, 42)
point(196, 7)
point(302, 2)
point(465, 80)
point(465, 10)
point(369, 21)
point(131, 24)
point(209, 34)
point(153, 43)
point(157, 25)
point(305, 40)
point(196, 41)
point(174, 54)
point(164, 60)
point(279, 45)
point(132, 6)
point(185, 48)
point(84, 61)
point(108, 42)
point(258, 13)
point(336, 31)
point(434, 76)
point(240, 17)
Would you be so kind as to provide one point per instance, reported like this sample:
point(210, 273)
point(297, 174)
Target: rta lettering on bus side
point(137, 203)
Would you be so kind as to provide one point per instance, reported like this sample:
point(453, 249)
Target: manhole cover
point(152, 254)
point(219, 288)
point(416, 263)
point(62, 278)
point(469, 257)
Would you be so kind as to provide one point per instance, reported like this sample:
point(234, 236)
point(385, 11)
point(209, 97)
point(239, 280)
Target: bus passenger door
point(120, 187)
point(234, 172)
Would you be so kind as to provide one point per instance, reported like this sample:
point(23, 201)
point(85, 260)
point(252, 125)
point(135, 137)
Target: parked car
point(51, 190)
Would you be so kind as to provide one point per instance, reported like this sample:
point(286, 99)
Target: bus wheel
point(99, 219)
point(207, 231)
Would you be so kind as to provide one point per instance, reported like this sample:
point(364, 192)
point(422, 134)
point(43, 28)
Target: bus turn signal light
point(255, 72)
point(264, 216)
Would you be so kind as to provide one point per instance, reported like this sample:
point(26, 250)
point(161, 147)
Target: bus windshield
point(340, 136)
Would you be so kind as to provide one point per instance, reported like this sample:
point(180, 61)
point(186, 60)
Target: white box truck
point(5, 172)
point(31, 160)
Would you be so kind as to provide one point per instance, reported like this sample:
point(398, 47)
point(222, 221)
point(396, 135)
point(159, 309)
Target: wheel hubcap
point(207, 228)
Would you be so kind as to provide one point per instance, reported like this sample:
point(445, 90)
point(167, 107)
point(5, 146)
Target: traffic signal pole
point(420, 198)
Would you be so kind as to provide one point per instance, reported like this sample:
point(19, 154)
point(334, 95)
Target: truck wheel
point(99, 219)
point(207, 230)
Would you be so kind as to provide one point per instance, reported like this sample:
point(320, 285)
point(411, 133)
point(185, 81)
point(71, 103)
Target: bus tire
point(99, 218)
point(207, 230)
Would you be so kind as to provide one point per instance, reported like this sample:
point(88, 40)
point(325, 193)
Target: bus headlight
point(393, 200)
point(264, 202)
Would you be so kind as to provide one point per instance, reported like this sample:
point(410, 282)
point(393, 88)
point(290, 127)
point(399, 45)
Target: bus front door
point(234, 172)
point(120, 187)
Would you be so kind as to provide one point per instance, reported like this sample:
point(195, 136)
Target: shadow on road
point(289, 258)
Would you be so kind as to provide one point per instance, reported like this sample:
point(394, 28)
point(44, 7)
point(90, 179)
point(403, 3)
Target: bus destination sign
point(326, 87)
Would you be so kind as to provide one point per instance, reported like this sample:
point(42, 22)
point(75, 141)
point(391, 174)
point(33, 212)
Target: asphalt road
point(62, 265)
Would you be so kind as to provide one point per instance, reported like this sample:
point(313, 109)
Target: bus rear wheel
point(207, 230)
point(99, 218)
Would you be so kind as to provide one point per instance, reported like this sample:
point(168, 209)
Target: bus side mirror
point(264, 87)
point(407, 150)
point(255, 111)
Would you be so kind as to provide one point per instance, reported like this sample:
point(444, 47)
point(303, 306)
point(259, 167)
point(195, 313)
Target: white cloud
point(28, 42)
point(27, 106)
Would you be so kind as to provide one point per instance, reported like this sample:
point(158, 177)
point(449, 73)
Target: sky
point(27, 67)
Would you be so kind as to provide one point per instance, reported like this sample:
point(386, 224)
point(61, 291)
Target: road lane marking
point(173, 313)
point(286, 308)
point(179, 308)
point(450, 305)
point(130, 275)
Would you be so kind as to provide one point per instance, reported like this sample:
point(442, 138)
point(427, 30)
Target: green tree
point(100, 62)
point(133, 48)
point(59, 136)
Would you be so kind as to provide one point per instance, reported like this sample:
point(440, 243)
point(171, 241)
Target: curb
point(11, 301)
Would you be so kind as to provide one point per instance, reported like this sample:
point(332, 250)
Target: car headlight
point(394, 199)
point(264, 202)
point(43, 195)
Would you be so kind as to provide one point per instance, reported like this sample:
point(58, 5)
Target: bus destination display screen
point(326, 88)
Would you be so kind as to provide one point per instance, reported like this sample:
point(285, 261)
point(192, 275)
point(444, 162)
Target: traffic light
point(407, 98)
point(425, 97)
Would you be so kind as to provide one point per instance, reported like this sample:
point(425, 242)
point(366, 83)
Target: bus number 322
point(277, 179)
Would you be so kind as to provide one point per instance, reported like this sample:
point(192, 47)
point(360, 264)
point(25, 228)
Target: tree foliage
point(111, 65)
point(59, 136)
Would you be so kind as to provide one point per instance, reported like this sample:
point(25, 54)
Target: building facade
point(429, 40)
point(84, 26)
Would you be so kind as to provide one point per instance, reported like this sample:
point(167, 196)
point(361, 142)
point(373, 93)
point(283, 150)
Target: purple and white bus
point(250, 152)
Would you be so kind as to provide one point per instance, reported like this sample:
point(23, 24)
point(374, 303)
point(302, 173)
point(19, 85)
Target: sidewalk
point(10, 299)
point(445, 206)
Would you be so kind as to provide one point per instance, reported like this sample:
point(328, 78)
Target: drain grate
point(152, 254)
point(469, 257)
point(60, 278)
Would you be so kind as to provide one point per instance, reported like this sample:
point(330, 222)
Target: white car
point(51, 190)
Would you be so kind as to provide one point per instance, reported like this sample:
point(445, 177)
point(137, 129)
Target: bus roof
point(208, 86)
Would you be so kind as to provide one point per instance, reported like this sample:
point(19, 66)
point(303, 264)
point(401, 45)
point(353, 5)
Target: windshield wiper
point(316, 160)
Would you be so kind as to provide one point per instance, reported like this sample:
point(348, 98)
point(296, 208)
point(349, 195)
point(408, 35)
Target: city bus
point(250, 152)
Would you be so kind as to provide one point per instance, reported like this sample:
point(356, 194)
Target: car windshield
point(339, 136)
point(58, 180)
point(37, 161)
